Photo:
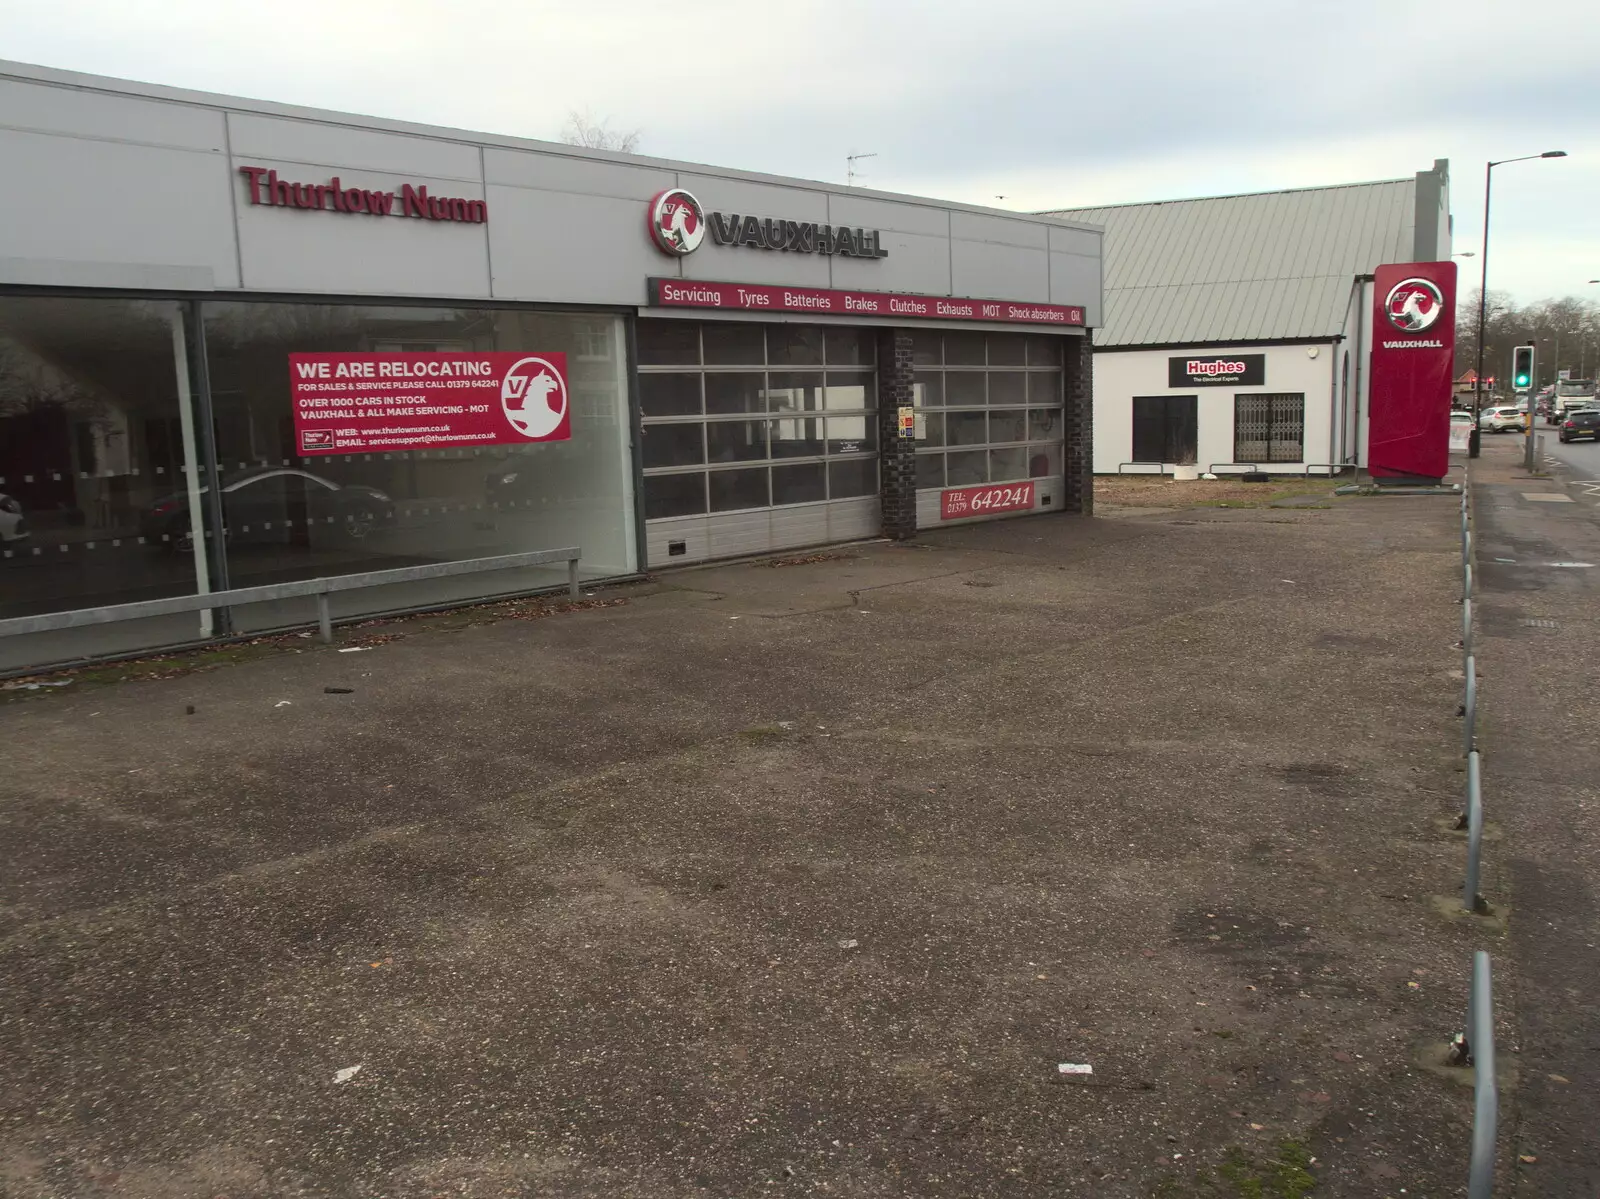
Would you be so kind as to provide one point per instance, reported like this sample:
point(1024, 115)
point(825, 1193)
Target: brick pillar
point(1080, 425)
point(897, 456)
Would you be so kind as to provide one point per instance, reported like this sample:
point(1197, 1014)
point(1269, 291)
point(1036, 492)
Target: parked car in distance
point(1502, 420)
point(1585, 422)
point(268, 505)
point(12, 525)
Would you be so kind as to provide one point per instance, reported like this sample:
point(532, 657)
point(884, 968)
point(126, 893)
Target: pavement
point(1539, 655)
point(803, 878)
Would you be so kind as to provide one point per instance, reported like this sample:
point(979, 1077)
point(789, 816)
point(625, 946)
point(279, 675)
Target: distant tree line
point(1566, 331)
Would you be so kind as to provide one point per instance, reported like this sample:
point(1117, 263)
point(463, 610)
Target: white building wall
point(1119, 375)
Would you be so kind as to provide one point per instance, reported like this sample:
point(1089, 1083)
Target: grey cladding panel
point(570, 268)
point(1074, 241)
point(170, 206)
point(555, 172)
point(288, 249)
point(888, 216)
point(45, 108)
point(972, 226)
point(987, 270)
point(915, 263)
point(755, 199)
point(338, 147)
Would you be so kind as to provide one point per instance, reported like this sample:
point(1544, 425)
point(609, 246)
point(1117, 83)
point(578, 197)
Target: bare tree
point(1570, 324)
point(582, 129)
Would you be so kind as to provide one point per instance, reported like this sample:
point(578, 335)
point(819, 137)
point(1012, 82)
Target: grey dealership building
point(745, 363)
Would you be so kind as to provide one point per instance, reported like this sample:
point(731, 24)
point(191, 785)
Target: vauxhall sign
point(678, 225)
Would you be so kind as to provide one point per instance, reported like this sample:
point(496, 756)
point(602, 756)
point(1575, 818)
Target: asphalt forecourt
point(1055, 856)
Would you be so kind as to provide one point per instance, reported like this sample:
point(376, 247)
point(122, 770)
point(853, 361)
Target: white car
point(1502, 420)
point(12, 526)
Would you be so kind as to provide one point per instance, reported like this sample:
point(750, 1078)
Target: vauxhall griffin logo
point(677, 222)
point(1413, 304)
point(534, 397)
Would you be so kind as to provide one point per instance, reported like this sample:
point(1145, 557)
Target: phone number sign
point(960, 502)
point(363, 403)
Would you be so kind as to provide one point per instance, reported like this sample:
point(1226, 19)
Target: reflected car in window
point(12, 525)
point(276, 506)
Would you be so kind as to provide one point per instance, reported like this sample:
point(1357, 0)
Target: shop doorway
point(1165, 429)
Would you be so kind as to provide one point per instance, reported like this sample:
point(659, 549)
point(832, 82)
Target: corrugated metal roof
point(1245, 268)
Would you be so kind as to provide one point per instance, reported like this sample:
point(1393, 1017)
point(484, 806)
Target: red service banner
point(1413, 358)
point(366, 403)
point(758, 297)
point(982, 501)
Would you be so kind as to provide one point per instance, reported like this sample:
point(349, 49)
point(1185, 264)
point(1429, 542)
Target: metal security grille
point(1269, 427)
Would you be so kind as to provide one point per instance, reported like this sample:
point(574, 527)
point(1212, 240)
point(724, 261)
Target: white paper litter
point(356, 649)
point(851, 943)
point(348, 1073)
point(1075, 1068)
point(282, 703)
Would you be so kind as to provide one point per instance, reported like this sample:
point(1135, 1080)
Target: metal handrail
point(1212, 469)
point(1161, 467)
point(1469, 710)
point(320, 588)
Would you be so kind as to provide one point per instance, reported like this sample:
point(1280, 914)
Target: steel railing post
point(324, 617)
point(1486, 1091)
point(1471, 900)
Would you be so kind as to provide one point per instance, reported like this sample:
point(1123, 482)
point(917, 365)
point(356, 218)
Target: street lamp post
point(1474, 444)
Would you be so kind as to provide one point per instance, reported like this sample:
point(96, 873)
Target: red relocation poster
point(364, 403)
point(981, 501)
point(1413, 359)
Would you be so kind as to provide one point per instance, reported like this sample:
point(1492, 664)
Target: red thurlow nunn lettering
point(264, 187)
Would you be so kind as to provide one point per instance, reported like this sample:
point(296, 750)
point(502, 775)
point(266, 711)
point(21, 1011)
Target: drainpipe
point(1333, 395)
point(1361, 362)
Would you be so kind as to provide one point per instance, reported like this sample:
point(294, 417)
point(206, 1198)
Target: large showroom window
point(93, 437)
point(988, 407)
point(743, 416)
point(292, 517)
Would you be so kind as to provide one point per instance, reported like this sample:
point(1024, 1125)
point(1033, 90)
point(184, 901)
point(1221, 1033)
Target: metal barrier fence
point(1471, 899)
point(1475, 1048)
point(320, 588)
point(1161, 468)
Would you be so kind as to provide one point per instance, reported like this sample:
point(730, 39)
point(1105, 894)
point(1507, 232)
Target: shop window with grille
point(1269, 427)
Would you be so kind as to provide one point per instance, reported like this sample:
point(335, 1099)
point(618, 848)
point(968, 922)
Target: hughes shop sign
point(364, 403)
point(1248, 370)
point(678, 225)
point(1413, 351)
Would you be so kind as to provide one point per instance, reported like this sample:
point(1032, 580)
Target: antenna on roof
point(850, 161)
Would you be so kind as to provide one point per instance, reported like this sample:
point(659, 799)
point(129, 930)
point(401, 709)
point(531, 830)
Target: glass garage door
point(756, 437)
point(989, 409)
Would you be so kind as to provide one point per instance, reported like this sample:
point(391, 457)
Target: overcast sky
point(1047, 103)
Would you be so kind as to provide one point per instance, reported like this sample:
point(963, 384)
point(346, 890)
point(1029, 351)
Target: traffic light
point(1522, 368)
